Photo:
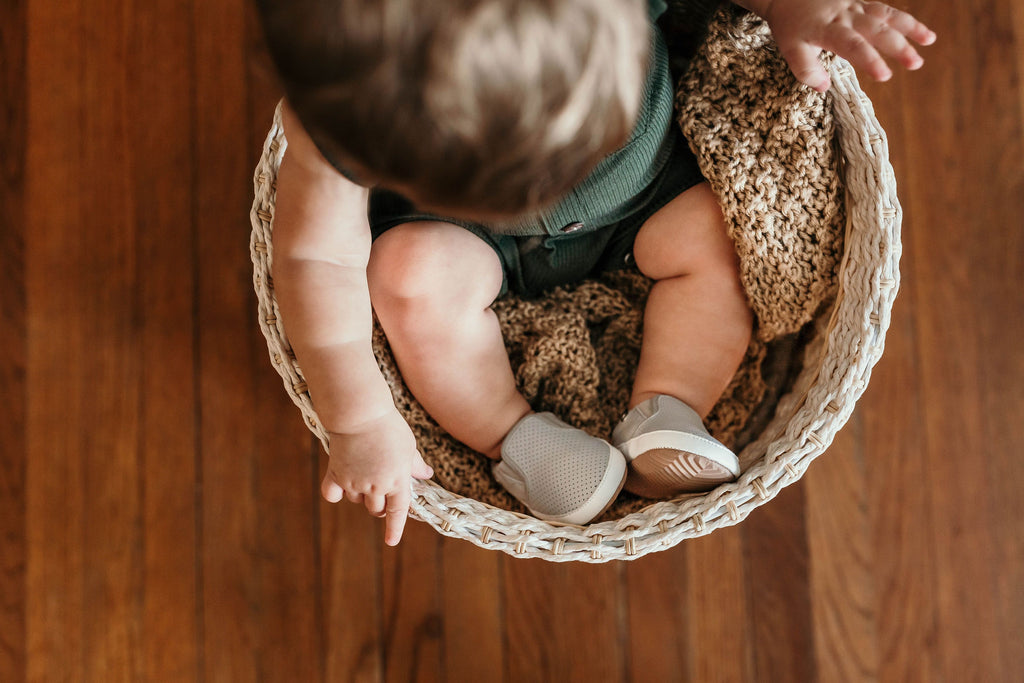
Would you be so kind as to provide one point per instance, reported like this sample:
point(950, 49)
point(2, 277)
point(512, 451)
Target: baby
point(511, 146)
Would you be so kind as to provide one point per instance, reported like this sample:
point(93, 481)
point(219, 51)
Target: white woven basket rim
point(835, 374)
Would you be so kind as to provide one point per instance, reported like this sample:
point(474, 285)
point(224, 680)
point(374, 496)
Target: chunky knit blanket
point(765, 144)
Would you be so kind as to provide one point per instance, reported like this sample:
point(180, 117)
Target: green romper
point(591, 229)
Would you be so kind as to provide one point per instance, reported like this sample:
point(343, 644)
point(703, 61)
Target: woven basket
point(835, 371)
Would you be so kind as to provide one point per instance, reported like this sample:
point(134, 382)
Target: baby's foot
point(670, 451)
point(562, 474)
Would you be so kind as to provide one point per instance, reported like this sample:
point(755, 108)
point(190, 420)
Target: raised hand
point(865, 33)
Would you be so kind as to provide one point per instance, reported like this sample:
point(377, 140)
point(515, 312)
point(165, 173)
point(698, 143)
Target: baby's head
point(471, 107)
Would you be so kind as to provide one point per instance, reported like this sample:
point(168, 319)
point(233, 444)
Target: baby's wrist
point(366, 423)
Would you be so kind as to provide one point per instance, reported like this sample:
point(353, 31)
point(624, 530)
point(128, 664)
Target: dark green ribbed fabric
point(614, 187)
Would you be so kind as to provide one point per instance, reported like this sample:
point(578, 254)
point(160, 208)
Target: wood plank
point(13, 343)
point(840, 545)
point(998, 270)
point(107, 311)
point(229, 537)
point(902, 556)
point(260, 567)
point(780, 630)
point(892, 441)
point(159, 77)
point(966, 81)
point(1001, 248)
point(352, 543)
point(717, 584)
point(412, 619)
point(473, 612)
point(660, 644)
point(565, 622)
point(688, 612)
point(54, 415)
point(83, 476)
point(287, 553)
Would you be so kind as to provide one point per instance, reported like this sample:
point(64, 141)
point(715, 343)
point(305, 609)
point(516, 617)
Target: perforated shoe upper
point(559, 472)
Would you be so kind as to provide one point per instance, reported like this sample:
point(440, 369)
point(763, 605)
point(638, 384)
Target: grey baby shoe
point(670, 451)
point(562, 474)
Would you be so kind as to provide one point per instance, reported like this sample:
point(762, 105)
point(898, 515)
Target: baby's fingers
point(888, 40)
point(803, 62)
point(374, 504)
point(330, 489)
point(852, 44)
point(880, 31)
point(395, 512)
point(905, 24)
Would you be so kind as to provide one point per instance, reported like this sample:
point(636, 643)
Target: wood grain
point(565, 621)
point(473, 612)
point(780, 610)
point(956, 319)
point(840, 547)
point(659, 645)
point(352, 544)
point(891, 439)
point(54, 557)
point(82, 568)
point(159, 509)
point(231, 568)
point(718, 609)
point(158, 84)
point(13, 342)
point(413, 623)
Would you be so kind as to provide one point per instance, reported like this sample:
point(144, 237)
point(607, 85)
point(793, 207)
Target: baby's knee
point(405, 263)
point(432, 265)
point(686, 237)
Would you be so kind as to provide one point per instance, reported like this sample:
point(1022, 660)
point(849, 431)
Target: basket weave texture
point(836, 365)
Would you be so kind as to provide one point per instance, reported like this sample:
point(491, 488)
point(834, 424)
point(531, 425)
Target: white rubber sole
point(665, 462)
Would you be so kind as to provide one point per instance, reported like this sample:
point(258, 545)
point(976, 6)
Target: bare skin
point(448, 345)
point(697, 324)
point(432, 285)
point(449, 348)
point(865, 33)
point(321, 248)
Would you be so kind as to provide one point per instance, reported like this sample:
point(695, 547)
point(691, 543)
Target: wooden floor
point(158, 510)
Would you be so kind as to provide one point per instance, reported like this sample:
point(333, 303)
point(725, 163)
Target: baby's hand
point(372, 466)
point(862, 32)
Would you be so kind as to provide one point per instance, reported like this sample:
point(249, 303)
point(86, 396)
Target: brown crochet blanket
point(766, 146)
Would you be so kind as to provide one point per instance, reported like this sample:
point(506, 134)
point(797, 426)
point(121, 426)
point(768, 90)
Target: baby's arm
point(321, 248)
point(862, 32)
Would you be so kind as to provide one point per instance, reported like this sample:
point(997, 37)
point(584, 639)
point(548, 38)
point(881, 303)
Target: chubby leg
point(697, 324)
point(431, 285)
point(696, 329)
